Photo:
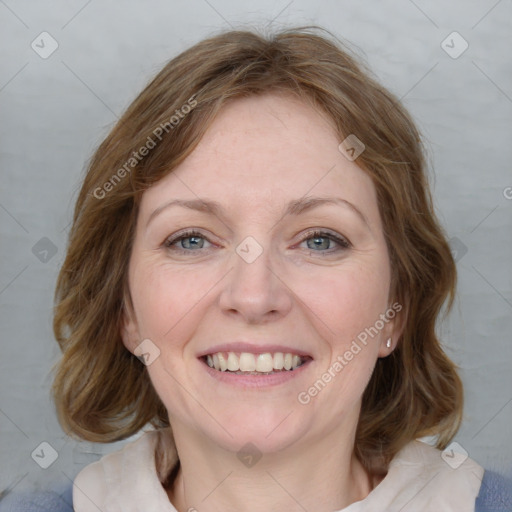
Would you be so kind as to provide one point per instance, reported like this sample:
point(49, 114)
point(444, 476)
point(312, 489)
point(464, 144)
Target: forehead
point(262, 152)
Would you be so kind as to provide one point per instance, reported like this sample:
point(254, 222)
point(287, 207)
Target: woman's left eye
point(323, 241)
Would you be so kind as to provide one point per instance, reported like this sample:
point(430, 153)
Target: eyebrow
point(295, 207)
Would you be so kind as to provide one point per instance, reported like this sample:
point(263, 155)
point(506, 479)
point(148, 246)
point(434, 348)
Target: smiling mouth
point(247, 363)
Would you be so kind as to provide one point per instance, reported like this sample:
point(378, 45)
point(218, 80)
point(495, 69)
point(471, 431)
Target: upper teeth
point(248, 362)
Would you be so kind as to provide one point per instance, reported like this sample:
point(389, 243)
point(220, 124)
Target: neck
point(321, 475)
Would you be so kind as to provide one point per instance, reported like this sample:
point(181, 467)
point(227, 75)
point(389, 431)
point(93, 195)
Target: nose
point(254, 290)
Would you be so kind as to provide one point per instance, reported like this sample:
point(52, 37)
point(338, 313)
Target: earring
point(388, 343)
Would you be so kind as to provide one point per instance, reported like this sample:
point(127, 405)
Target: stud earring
point(388, 343)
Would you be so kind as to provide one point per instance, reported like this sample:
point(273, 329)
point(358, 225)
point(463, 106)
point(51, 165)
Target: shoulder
point(116, 477)
point(421, 477)
point(90, 487)
point(453, 462)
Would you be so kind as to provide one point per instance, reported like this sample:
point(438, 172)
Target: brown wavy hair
point(102, 391)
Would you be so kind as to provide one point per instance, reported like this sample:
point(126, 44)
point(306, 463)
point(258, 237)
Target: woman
point(255, 270)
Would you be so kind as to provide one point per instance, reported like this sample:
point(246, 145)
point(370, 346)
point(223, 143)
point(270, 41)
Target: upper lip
point(253, 348)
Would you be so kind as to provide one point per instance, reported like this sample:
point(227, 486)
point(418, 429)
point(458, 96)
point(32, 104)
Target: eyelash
point(187, 234)
point(342, 242)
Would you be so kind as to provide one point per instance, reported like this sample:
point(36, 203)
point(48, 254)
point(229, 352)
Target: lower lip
point(256, 381)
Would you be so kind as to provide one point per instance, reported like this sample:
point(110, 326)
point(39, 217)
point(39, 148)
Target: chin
point(270, 430)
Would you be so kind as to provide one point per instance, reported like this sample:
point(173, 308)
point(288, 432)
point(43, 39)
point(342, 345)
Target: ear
point(129, 327)
point(393, 329)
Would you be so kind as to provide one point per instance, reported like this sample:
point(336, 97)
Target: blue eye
point(192, 242)
point(187, 242)
point(322, 241)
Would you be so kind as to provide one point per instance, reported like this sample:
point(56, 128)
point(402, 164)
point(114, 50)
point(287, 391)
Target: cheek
point(344, 304)
point(168, 301)
point(346, 300)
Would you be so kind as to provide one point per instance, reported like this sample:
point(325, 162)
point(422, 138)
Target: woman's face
point(286, 256)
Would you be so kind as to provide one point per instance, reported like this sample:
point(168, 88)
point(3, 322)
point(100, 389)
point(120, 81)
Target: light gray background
point(55, 111)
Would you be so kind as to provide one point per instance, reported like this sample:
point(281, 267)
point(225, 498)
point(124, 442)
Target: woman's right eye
point(189, 241)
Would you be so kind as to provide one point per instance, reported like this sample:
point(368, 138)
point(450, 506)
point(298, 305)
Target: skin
point(302, 291)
